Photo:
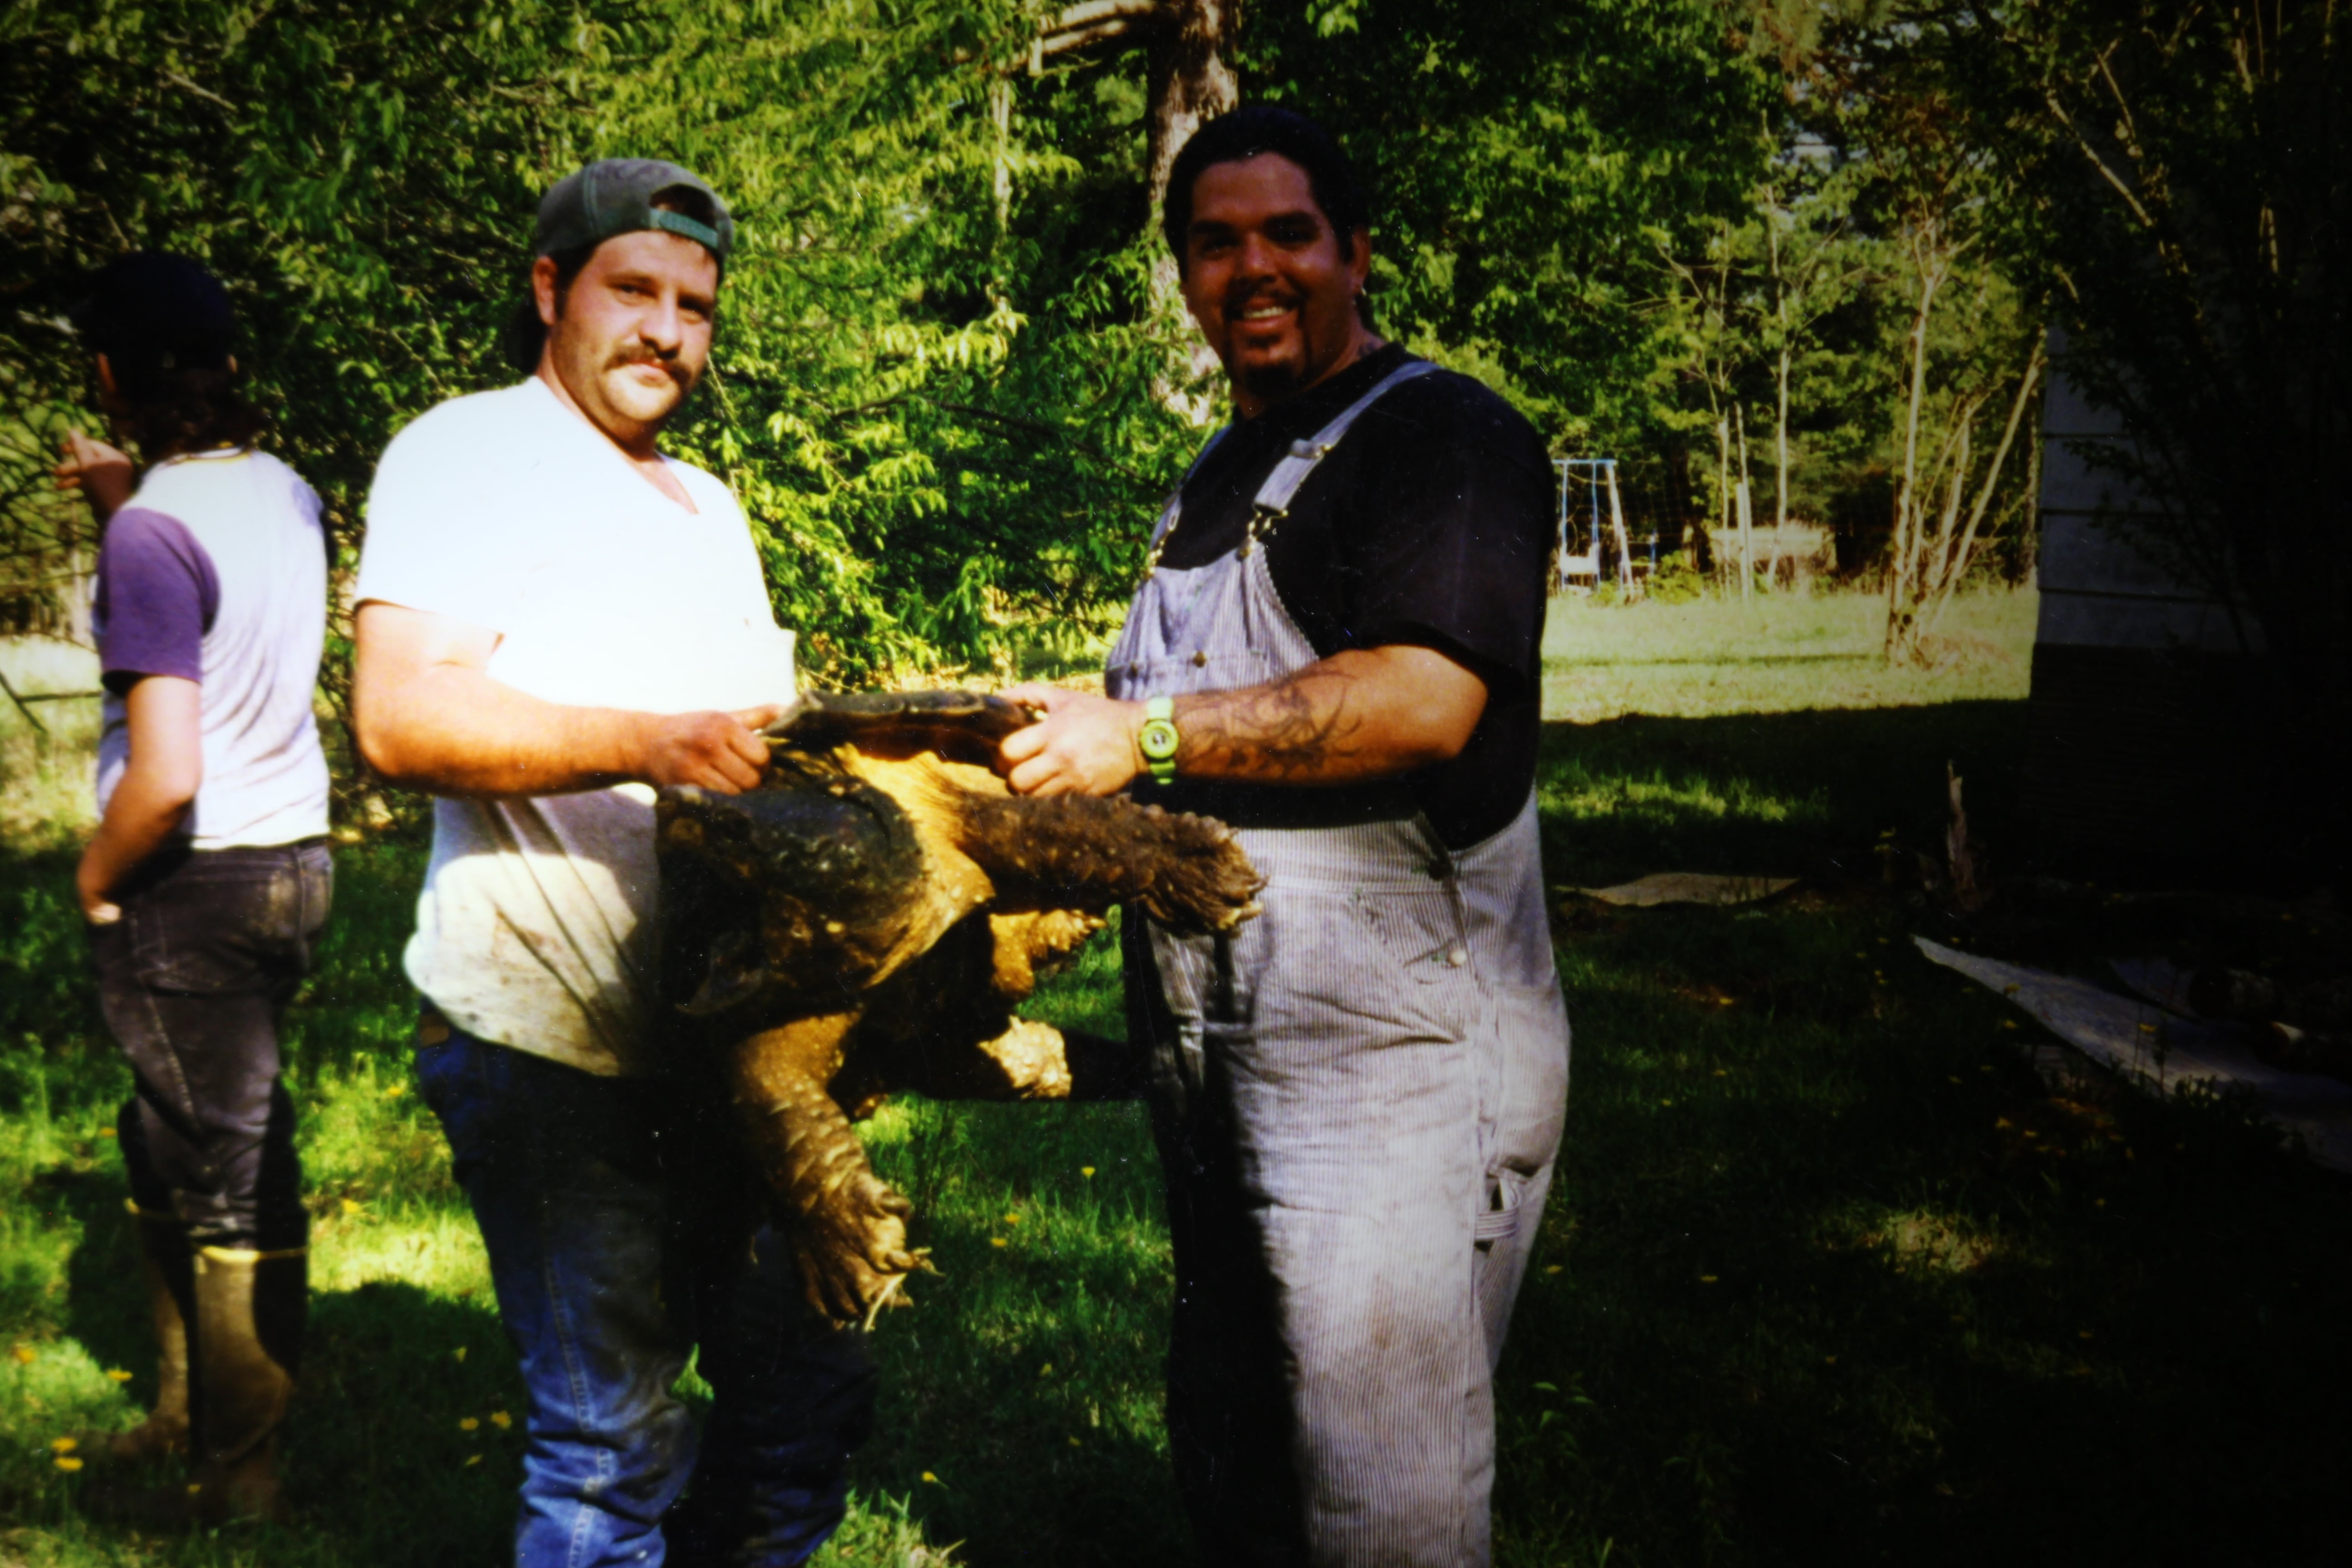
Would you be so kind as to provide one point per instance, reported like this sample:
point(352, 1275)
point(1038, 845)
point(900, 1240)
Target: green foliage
point(1530, 158)
point(933, 406)
point(1674, 581)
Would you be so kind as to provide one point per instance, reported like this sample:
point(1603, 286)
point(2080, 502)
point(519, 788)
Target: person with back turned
point(205, 887)
point(1358, 1097)
point(554, 618)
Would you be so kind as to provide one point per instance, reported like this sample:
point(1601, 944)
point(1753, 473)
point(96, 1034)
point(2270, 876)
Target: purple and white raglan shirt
point(216, 571)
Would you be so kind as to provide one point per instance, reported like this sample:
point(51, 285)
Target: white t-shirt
point(509, 510)
point(216, 571)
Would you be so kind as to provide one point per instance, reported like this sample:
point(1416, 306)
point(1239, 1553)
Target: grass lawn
point(1829, 1274)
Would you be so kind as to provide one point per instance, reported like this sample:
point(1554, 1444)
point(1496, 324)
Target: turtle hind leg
point(1079, 852)
point(848, 1230)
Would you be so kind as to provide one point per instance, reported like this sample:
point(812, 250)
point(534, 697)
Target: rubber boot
point(168, 1265)
point(245, 1352)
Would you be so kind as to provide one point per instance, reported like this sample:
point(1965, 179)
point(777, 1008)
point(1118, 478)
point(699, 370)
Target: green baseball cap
point(616, 195)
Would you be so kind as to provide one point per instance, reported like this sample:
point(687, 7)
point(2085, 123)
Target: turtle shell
point(966, 725)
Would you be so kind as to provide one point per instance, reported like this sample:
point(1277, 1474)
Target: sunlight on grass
point(1577, 793)
point(50, 796)
point(1779, 653)
point(1925, 1240)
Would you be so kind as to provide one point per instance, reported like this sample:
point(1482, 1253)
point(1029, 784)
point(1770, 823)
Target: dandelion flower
point(65, 1444)
point(930, 1478)
point(501, 1420)
point(67, 1463)
point(106, 1132)
point(467, 1424)
point(25, 1354)
point(1088, 1172)
point(473, 1459)
point(996, 1241)
point(116, 1375)
point(1013, 1219)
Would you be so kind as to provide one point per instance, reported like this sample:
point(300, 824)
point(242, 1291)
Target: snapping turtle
point(867, 919)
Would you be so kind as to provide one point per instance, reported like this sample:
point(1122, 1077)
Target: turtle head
point(789, 895)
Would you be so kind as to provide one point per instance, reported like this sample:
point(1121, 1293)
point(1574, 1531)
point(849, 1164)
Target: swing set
point(1579, 571)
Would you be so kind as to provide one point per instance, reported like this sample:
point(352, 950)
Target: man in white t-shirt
point(554, 619)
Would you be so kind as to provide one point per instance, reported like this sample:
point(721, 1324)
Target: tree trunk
point(1781, 458)
point(1189, 46)
point(1747, 509)
point(1725, 517)
point(1902, 551)
point(1193, 83)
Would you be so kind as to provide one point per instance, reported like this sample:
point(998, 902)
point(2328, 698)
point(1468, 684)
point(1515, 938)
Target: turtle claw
point(1209, 884)
point(852, 1249)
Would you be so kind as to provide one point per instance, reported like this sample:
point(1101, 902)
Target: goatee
point(1272, 383)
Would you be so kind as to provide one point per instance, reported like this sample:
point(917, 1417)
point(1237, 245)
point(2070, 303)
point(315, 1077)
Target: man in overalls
point(1358, 1097)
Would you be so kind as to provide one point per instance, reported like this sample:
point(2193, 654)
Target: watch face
point(1156, 739)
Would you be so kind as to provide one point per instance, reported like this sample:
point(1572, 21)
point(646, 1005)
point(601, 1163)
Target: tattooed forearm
point(1364, 714)
point(1295, 730)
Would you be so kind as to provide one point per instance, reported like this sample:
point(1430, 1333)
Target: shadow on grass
point(1829, 1274)
point(1803, 793)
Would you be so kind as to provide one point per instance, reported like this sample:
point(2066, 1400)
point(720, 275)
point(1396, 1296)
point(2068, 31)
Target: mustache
point(660, 362)
point(1244, 297)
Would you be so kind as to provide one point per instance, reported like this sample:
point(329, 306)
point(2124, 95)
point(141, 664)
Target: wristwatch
point(1156, 739)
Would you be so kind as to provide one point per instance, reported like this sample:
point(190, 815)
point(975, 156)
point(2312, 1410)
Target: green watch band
point(1156, 739)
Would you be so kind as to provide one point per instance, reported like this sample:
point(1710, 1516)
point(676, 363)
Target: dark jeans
point(191, 980)
point(623, 1229)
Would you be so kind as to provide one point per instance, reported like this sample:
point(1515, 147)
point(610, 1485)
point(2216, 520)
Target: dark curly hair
point(165, 326)
point(199, 409)
point(1331, 180)
point(1265, 128)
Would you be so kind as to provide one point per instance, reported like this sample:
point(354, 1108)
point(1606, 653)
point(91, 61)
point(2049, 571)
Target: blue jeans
point(191, 980)
point(623, 1229)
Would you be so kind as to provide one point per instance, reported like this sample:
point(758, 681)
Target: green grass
point(1829, 1274)
point(1776, 654)
point(46, 757)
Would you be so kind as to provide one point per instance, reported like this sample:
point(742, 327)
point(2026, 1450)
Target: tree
point(1526, 157)
point(2190, 186)
point(925, 387)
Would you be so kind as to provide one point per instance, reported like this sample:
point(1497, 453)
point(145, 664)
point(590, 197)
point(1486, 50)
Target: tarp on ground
point(1689, 888)
point(2161, 1050)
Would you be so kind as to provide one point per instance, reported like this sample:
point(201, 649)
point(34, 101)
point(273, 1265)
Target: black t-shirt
point(1428, 524)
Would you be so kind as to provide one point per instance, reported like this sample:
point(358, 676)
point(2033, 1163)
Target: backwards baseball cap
point(153, 316)
point(616, 195)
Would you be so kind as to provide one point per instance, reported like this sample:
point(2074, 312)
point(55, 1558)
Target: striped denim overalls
point(1357, 1098)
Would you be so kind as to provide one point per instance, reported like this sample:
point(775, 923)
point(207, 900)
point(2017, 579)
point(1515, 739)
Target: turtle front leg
point(1079, 852)
point(848, 1229)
